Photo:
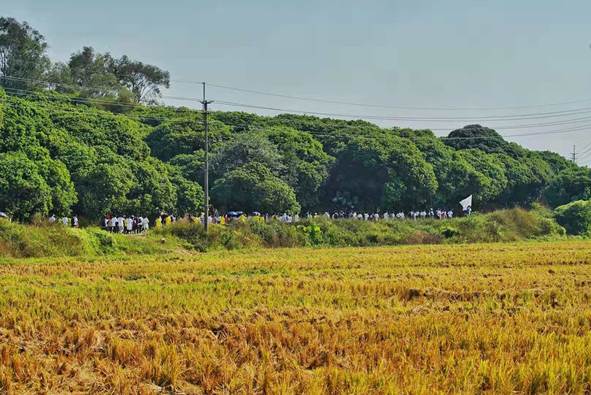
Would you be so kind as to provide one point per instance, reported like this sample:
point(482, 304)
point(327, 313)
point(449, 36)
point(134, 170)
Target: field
point(493, 318)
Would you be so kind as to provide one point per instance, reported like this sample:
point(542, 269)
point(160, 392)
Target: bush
point(43, 239)
point(575, 217)
point(449, 232)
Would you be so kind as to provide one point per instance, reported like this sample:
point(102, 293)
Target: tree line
point(25, 65)
point(70, 143)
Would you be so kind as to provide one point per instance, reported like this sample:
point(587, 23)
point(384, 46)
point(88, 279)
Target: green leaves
point(253, 187)
point(569, 185)
point(575, 216)
point(92, 162)
point(23, 190)
point(184, 136)
point(23, 55)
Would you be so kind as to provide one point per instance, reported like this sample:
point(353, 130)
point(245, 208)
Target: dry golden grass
point(492, 318)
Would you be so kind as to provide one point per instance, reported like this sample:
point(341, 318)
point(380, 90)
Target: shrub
point(449, 232)
point(575, 217)
point(43, 239)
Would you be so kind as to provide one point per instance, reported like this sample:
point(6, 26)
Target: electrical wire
point(467, 119)
point(140, 118)
point(369, 105)
point(556, 114)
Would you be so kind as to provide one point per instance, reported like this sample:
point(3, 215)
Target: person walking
point(129, 225)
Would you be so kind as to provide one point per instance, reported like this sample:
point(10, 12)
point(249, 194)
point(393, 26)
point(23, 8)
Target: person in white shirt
point(120, 223)
point(52, 219)
point(65, 221)
point(75, 221)
point(145, 224)
point(112, 224)
point(450, 214)
point(129, 225)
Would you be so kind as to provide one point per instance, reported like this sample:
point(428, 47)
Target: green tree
point(153, 192)
point(240, 121)
point(98, 128)
point(91, 75)
point(244, 148)
point(145, 81)
point(185, 136)
point(23, 122)
point(492, 178)
point(23, 59)
point(569, 185)
point(306, 164)
point(23, 190)
point(57, 177)
point(527, 176)
point(557, 162)
point(105, 188)
point(253, 187)
point(380, 171)
point(189, 194)
point(575, 217)
point(456, 177)
point(482, 138)
point(78, 157)
point(191, 166)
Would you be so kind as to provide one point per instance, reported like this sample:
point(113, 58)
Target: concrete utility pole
point(205, 102)
point(574, 155)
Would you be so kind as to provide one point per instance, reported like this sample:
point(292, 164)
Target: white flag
point(466, 203)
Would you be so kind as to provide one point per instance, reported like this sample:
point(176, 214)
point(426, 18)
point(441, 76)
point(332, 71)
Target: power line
point(395, 107)
point(95, 101)
point(469, 119)
point(587, 147)
point(165, 118)
point(582, 157)
point(556, 114)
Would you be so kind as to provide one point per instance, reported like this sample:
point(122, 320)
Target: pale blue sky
point(458, 53)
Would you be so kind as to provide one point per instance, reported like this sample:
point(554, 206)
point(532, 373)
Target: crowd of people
point(413, 214)
point(66, 221)
point(440, 214)
point(141, 224)
point(126, 224)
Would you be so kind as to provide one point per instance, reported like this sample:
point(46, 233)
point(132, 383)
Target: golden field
point(480, 318)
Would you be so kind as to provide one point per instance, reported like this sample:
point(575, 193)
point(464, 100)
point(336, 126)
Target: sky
point(516, 66)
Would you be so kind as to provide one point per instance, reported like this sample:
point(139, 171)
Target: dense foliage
point(575, 217)
point(67, 157)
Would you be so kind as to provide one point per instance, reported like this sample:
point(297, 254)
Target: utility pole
point(574, 155)
point(205, 102)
